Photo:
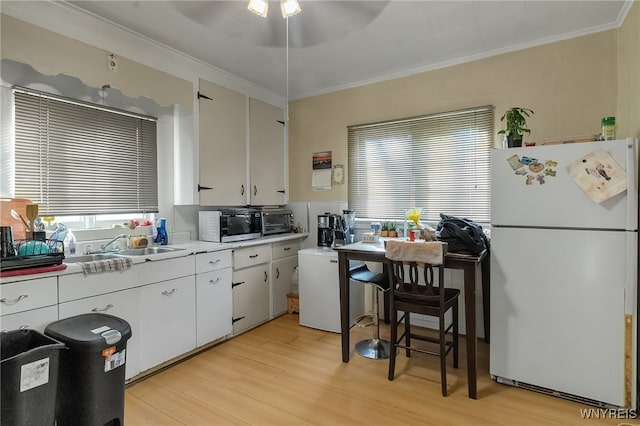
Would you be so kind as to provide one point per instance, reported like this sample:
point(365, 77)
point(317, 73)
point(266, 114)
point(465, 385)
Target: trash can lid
point(90, 332)
point(22, 342)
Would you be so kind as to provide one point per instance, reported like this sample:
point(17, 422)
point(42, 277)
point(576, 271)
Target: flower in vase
point(414, 215)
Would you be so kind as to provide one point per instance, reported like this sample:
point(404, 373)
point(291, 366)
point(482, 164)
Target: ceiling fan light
point(259, 7)
point(289, 8)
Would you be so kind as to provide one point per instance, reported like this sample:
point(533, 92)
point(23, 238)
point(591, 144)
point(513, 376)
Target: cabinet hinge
point(200, 95)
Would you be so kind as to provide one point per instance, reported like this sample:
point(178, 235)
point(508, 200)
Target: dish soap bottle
point(162, 238)
point(69, 244)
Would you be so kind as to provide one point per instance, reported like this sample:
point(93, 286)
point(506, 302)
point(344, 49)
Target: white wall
point(46, 35)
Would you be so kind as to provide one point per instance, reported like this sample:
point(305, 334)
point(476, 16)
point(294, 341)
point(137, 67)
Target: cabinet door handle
point(234, 320)
point(169, 292)
point(333, 261)
point(14, 301)
point(266, 277)
point(105, 309)
point(213, 262)
point(281, 191)
point(255, 190)
point(277, 273)
point(216, 281)
point(241, 189)
point(236, 284)
point(287, 248)
point(203, 188)
point(253, 256)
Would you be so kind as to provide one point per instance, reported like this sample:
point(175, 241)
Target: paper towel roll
point(139, 242)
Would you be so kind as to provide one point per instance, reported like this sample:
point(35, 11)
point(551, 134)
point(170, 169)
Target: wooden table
point(471, 265)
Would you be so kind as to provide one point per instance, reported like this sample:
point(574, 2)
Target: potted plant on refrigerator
point(516, 125)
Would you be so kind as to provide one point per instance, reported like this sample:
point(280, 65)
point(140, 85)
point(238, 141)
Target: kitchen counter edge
point(191, 247)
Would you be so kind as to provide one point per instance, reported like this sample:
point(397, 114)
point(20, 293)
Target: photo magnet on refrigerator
point(598, 175)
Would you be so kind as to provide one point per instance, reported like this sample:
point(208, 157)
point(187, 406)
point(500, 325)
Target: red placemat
point(29, 271)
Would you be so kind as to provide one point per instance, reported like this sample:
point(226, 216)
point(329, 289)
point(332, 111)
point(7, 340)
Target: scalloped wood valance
point(51, 54)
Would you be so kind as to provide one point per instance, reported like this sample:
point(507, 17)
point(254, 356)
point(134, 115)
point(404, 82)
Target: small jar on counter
point(376, 227)
point(608, 128)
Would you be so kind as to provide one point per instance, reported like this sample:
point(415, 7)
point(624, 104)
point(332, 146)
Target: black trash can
point(29, 377)
point(91, 378)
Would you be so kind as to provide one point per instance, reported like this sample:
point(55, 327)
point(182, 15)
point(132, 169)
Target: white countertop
point(189, 248)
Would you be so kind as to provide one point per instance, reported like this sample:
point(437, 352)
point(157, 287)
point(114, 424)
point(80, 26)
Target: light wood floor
point(284, 374)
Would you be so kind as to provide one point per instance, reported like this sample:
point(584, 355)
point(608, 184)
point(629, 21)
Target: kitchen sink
point(89, 257)
point(147, 251)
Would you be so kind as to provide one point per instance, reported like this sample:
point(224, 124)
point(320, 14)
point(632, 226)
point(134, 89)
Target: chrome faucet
point(103, 247)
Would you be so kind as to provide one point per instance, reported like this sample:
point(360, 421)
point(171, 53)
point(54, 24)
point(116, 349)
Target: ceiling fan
point(319, 22)
point(261, 7)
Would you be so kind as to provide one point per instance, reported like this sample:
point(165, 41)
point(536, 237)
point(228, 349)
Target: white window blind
point(75, 158)
point(438, 162)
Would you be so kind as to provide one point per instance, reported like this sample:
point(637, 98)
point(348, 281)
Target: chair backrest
point(408, 261)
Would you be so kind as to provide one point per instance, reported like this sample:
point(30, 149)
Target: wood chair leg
point(407, 334)
point(443, 356)
point(455, 335)
point(393, 343)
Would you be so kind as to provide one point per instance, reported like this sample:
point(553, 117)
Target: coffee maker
point(331, 230)
point(325, 233)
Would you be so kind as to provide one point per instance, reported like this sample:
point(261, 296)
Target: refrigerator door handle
point(631, 289)
point(632, 182)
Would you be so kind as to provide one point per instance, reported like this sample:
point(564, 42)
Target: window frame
point(115, 173)
point(422, 162)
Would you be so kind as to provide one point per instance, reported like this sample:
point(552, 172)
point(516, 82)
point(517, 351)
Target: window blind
point(75, 158)
point(438, 162)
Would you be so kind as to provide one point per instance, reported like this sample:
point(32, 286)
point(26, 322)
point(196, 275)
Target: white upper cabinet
point(267, 154)
point(239, 168)
point(223, 146)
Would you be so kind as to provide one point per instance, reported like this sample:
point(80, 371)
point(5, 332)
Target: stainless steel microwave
point(229, 225)
point(276, 221)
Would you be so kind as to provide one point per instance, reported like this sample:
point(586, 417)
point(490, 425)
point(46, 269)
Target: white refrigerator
point(564, 270)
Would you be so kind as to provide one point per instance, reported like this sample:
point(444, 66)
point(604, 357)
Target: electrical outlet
point(112, 62)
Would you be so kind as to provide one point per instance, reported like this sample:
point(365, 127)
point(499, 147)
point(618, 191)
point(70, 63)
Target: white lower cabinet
point(29, 294)
point(167, 320)
point(172, 305)
point(284, 261)
point(123, 304)
point(28, 304)
point(214, 306)
point(36, 319)
point(159, 327)
point(261, 281)
point(214, 300)
point(250, 297)
point(78, 286)
point(281, 273)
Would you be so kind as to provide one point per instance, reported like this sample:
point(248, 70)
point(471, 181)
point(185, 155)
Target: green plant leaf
point(516, 123)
